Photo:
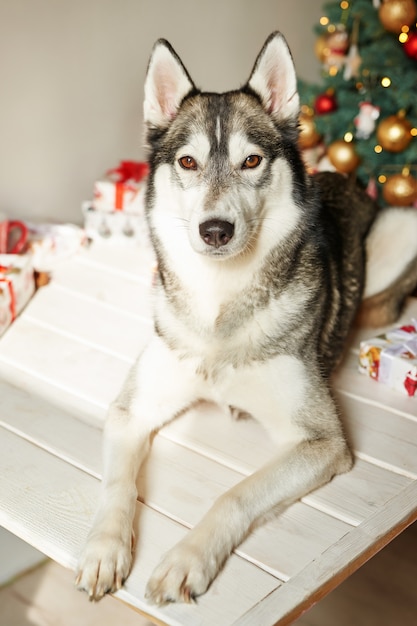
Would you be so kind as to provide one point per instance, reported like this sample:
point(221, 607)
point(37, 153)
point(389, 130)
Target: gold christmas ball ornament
point(308, 137)
point(394, 14)
point(393, 133)
point(400, 189)
point(342, 156)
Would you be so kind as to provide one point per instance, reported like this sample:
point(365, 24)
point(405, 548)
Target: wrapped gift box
point(118, 196)
point(392, 358)
point(117, 209)
point(122, 189)
point(17, 285)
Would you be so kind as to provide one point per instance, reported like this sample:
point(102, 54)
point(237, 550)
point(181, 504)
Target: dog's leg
point(158, 388)
point(281, 394)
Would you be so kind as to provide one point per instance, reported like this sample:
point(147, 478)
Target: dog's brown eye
point(253, 160)
point(188, 163)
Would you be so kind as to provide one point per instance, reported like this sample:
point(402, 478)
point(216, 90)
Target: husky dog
point(260, 273)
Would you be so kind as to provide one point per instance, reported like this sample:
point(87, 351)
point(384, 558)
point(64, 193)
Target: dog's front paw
point(104, 564)
point(183, 574)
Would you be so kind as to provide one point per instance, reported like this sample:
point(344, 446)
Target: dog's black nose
point(216, 233)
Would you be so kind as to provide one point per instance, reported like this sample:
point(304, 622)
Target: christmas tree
point(363, 116)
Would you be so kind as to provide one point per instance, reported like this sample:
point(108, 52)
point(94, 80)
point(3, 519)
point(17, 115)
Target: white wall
point(16, 557)
point(71, 80)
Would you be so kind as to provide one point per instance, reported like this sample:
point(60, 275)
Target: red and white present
point(392, 358)
point(17, 285)
point(122, 189)
point(117, 209)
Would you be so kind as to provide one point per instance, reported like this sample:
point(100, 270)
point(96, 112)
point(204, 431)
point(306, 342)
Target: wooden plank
point(322, 575)
point(50, 504)
point(117, 289)
point(285, 545)
point(33, 385)
point(377, 434)
point(359, 493)
point(65, 362)
point(75, 315)
point(118, 259)
point(53, 428)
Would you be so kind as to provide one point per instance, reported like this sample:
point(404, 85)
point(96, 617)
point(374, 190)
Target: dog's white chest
point(218, 323)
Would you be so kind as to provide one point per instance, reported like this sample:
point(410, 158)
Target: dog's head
point(223, 166)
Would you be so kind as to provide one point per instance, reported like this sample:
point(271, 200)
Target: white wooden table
point(64, 360)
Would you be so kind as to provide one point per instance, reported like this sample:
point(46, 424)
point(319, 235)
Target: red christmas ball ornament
point(325, 103)
point(410, 46)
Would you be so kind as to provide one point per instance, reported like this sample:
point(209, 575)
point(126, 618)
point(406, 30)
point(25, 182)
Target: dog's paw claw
point(187, 595)
point(181, 576)
point(103, 566)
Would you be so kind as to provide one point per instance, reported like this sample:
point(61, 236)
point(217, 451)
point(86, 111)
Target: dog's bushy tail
point(391, 267)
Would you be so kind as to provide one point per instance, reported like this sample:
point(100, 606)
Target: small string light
point(382, 179)
point(324, 20)
point(378, 149)
point(386, 81)
point(403, 37)
point(344, 5)
point(348, 137)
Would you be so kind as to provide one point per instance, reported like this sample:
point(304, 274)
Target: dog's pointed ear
point(166, 85)
point(274, 80)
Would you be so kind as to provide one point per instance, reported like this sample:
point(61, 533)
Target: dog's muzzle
point(216, 233)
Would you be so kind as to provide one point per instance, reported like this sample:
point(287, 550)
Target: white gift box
point(119, 196)
point(392, 358)
point(117, 210)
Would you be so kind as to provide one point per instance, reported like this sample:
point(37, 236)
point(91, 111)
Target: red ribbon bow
point(129, 170)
